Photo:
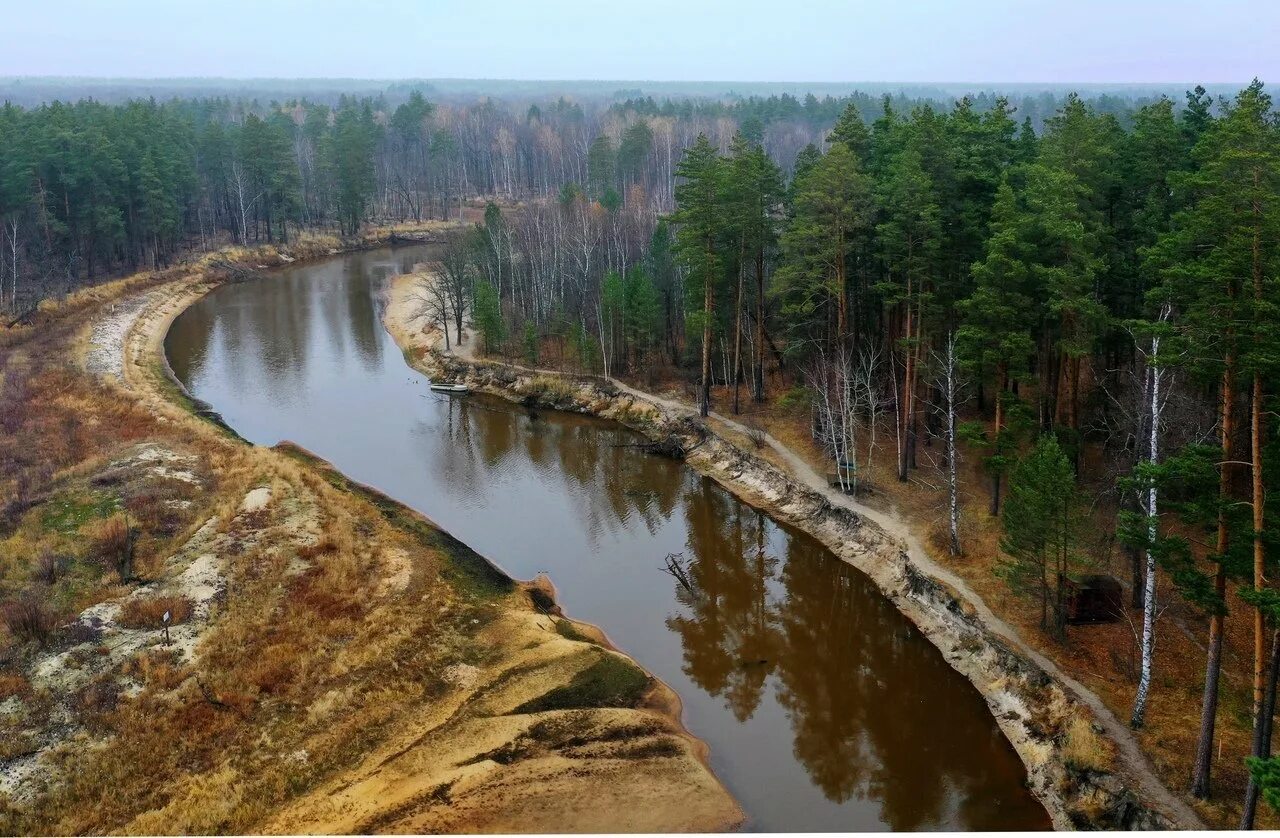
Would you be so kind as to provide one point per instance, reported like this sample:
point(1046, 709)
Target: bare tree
point(946, 382)
point(434, 303)
point(454, 279)
point(846, 401)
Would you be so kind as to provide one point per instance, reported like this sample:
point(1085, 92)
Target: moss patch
point(612, 681)
point(67, 512)
point(567, 630)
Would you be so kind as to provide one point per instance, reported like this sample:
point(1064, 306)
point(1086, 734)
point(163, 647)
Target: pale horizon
point(1140, 42)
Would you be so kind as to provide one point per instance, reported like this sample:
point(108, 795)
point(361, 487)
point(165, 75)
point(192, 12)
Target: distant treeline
point(91, 189)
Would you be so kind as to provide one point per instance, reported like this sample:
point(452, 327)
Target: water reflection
point(824, 708)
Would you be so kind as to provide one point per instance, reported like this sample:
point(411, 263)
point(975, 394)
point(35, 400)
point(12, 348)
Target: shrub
point(796, 399)
point(148, 612)
point(50, 567)
point(29, 618)
point(12, 683)
point(98, 698)
point(112, 545)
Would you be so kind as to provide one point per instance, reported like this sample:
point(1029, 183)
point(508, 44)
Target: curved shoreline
point(1031, 702)
point(146, 372)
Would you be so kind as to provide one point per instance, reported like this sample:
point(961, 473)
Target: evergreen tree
point(487, 314)
point(996, 331)
point(602, 166)
point(831, 212)
point(1220, 260)
point(1040, 523)
point(699, 200)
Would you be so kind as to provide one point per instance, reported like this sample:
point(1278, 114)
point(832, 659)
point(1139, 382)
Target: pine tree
point(699, 200)
point(852, 132)
point(831, 212)
point(487, 314)
point(755, 192)
point(995, 335)
point(601, 166)
point(1041, 523)
point(910, 239)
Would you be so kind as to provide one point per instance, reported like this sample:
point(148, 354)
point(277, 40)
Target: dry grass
point(551, 388)
point(148, 612)
point(1084, 749)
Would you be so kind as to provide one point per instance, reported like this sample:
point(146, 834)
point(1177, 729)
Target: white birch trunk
point(1154, 375)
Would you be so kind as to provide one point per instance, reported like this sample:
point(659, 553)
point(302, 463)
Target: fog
point(1087, 41)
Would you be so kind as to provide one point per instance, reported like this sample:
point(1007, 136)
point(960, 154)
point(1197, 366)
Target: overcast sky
point(748, 40)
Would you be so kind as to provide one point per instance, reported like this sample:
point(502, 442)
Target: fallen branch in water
point(675, 567)
point(672, 447)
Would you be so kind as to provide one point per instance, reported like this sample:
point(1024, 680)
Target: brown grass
point(1084, 749)
point(144, 613)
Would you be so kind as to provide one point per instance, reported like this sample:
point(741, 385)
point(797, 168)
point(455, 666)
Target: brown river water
point(824, 708)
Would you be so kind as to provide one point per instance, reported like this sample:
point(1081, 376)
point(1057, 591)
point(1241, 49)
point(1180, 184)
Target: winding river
point(824, 708)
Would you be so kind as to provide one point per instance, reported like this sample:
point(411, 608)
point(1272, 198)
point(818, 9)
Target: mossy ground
point(612, 681)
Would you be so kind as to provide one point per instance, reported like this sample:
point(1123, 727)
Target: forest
point(1076, 296)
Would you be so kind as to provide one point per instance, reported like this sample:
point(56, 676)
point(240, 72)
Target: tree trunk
point(737, 339)
point(708, 300)
point(1259, 554)
point(1255, 433)
point(1002, 377)
point(1200, 781)
point(1149, 588)
point(1262, 726)
point(953, 494)
point(758, 383)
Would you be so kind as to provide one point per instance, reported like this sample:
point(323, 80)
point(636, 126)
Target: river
point(824, 708)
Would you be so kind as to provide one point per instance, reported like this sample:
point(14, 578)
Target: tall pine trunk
point(737, 337)
point(1002, 381)
point(758, 383)
point(1259, 553)
point(1200, 780)
point(1259, 498)
point(708, 301)
point(1262, 727)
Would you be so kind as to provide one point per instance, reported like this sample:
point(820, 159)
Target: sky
point(1090, 41)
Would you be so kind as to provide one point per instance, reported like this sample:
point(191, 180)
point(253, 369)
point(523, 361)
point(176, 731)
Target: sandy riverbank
point(347, 667)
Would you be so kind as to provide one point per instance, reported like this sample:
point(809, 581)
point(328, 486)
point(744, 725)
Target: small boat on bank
point(450, 388)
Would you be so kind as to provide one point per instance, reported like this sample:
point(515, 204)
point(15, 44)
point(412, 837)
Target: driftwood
point(674, 566)
point(24, 318)
point(413, 238)
point(233, 270)
point(672, 446)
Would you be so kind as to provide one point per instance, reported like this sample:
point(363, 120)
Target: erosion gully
point(824, 708)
